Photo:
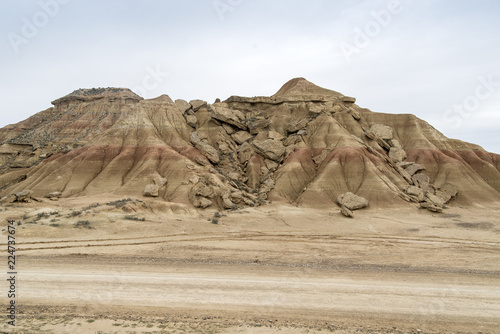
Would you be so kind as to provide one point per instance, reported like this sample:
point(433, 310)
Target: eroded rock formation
point(305, 145)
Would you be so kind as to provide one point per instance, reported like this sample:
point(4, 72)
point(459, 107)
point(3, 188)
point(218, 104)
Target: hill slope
point(304, 145)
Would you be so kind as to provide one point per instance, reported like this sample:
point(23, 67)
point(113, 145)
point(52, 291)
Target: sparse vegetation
point(42, 216)
point(75, 213)
point(215, 221)
point(119, 203)
point(83, 223)
point(135, 218)
point(92, 206)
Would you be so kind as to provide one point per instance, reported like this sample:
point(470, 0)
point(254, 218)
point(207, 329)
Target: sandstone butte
point(305, 146)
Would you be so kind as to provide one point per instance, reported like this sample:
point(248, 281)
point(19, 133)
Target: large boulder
point(191, 120)
point(229, 116)
point(346, 212)
point(431, 207)
point(414, 169)
point(201, 202)
point(229, 129)
point(24, 196)
point(182, 105)
point(54, 195)
point(382, 131)
point(421, 180)
point(257, 125)
point(160, 181)
point(348, 100)
point(151, 190)
point(271, 149)
point(8, 199)
point(197, 104)
point(208, 151)
point(397, 154)
point(435, 200)
point(201, 189)
point(416, 194)
point(241, 136)
point(226, 201)
point(245, 152)
point(296, 126)
point(352, 201)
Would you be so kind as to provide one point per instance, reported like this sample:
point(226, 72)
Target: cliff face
point(304, 145)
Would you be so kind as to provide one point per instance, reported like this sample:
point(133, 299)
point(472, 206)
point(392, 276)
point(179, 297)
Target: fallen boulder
point(226, 201)
point(201, 202)
point(434, 200)
point(255, 126)
point(271, 149)
point(348, 100)
point(382, 131)
point(151, 190)
point(8, 199)
point(415, 193)
point(296, 126)
point(229, 116)
point(245, 152)
point(197, 104)
point(421, 180)
point(431, 207)
point(24, 196)
point(54, 195)
point(207, 150)
point(346, 212)
point(414, 169)
point(352, 201)
point(192, 121)
point(241, 136)
point(397, 154)
point(160, 181)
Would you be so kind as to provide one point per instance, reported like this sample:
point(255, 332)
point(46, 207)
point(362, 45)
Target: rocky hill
point(305, 146)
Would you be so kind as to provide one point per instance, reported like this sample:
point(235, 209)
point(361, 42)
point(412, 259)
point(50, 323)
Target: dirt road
point(246, 290)
point(263, 272)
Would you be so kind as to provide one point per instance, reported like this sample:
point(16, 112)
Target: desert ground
point(101, 265)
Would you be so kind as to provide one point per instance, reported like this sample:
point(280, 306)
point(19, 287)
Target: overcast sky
point(437, 59)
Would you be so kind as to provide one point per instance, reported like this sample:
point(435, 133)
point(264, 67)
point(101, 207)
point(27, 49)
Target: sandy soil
point(149, 267)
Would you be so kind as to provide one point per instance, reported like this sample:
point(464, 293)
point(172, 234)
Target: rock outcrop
point(304, 145)
point(349, 202)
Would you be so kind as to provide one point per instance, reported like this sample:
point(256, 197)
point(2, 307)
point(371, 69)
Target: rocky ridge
point(305, 146)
